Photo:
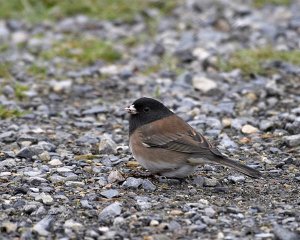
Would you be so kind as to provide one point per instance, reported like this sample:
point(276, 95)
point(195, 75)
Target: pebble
point(8, 227)
point(111, 193)
point(132, 182)
point(76, 226)
point(44, 198)
point(265, 125)
point(236, 179)
point(74, 184)
point(282, 233)
point(249, 129)
point(293, 140)
point(42, 227)
point(111, 211)
point(203, 84)
point(115, 176)
point(45, 156)
point(210, 182)
point(210, 212)
point(148, 185)
point(107, 146)
point(55, 162)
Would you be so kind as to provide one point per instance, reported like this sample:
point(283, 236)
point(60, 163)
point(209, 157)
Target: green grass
point(83, 51)
point(5, 70)
point(19, 91)
point(261, 3)
point(252, 60)
point(168, 62)
point(9, 113)
point(38, 71)
point(37, 10)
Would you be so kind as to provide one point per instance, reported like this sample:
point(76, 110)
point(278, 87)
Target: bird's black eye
point(146, 109)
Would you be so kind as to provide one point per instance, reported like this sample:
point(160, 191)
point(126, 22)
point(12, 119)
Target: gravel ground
point(66, 171)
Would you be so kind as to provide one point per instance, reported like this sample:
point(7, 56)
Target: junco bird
point(166, 145)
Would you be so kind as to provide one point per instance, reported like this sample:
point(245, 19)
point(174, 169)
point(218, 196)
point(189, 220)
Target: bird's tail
point(237, 166)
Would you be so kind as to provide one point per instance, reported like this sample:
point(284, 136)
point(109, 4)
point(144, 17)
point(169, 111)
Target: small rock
point(85, 203)
point(210, 212)
point(227, 142)
point(111, 193)
point(8, 227)
point(203, 84)
point(226, 122)
point(43, 226)
point(29, 152)
point(265, 125)
point(111, 211)
point(55, 162)
point(132, 182)
point(44, 198)
point(148, 185)
point(176, 212)
point(282, 233)
point(19, 37)
point(293, 140)
point(76, 226)
point(174, 226)
point(61, 86)
point(154, 223)
point(45, 156)
point(249, 129)
point(199, 181)
point(107, 146)
point(95, 110)
point(74, 184)
point(115, 176)
point(63, 170)
point(143, 202)
point(236, 179)
point(264, 236)
point(210, 182)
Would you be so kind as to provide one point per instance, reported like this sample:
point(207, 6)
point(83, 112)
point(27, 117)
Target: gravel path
point(66, 171)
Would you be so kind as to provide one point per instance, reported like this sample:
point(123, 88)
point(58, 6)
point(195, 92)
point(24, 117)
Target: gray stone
point(7, 136)
point(85, 203)
point(44, 198)
point(111, 193)
point(236, 179)
point(95, 110)
point(110, 212)
point(265, 125)
point(210, 212)
point(148, 185)
point(49, 147)
point(199, 181)
point(115, 176)
point(74, 184)
point(293, 140)
point(76, 226)
point(8, 227)
point(143, 202)
point(29, 138)
point(203, 84)
point(107, 146)
point(210, 182)
point(42, 227)
point(227, 142)
point(132, 182)
point(29, 152)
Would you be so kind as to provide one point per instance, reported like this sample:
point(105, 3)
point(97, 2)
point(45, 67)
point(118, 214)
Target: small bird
point(166, 145)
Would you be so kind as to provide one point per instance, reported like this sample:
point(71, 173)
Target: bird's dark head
point(146, 110)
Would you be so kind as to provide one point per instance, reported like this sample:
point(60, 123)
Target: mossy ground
point(251, 61)
point(261, 3)
point(37, 10)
